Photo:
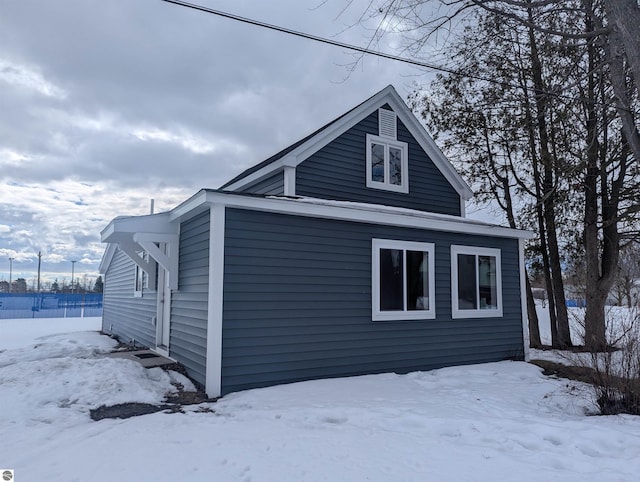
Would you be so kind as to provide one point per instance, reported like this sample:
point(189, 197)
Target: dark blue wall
point(338, 171)
point(272, 185)
point(297, 304)
point(189, 303)
point(127, 317)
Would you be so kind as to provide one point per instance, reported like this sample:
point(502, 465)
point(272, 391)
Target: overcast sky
point(107, 104)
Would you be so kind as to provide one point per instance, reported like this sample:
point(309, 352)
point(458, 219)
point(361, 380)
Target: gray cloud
point(104, 105)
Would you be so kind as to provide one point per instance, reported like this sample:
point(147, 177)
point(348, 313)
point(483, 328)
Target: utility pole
point(39, 263)
point(73, 270)
point(10, 273)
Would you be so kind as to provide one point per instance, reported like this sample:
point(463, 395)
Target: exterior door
point(163, 318)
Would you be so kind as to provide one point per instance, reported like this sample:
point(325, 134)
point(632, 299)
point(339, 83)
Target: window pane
point(377, 162)
point(391, 277)
point(417, 280)
point(467, 282)
point(395, 166)
point(487, 282)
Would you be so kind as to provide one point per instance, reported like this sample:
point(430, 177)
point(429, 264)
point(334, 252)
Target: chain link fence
point(50, 305)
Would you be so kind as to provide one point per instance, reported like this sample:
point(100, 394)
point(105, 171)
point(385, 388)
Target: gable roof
point(304, 148)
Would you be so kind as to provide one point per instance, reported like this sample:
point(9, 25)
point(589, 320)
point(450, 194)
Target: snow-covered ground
point(493, 422)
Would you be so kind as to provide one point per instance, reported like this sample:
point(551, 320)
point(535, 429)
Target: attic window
point(387, 125)
point(387, 164)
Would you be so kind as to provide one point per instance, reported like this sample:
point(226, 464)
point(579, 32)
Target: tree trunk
point(624, 18)
point(594, 324)
point(534, 326)
point(548, 193)
point(618, 82)
point(532, 314)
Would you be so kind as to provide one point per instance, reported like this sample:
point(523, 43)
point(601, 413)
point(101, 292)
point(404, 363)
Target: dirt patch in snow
point(572, 372)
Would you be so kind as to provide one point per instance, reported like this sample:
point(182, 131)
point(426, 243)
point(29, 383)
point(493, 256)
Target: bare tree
point(598, 159)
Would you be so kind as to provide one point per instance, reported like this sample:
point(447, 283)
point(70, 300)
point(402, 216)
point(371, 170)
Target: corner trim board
point(523, 302)
point(289, 181)
point(213, 377)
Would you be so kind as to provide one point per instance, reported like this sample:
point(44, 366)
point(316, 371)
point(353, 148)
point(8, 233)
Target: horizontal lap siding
point(127, 317)
point(272, 185)
point(338, 171)
point(297, 304)
point(189, 303)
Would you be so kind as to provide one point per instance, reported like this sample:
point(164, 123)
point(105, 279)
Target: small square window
point(476, 282)
point(387, 164)
point(403, 280)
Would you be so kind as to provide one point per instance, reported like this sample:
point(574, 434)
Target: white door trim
point(163, 308)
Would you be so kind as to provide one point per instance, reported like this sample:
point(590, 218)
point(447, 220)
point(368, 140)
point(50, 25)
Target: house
point(346, 253)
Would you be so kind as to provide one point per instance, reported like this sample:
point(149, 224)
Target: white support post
point(523, 301)
point(213, 378)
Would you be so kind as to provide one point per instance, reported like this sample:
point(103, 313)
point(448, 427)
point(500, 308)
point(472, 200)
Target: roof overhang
point(347, 211)
point(134, 234)
point(386, 96)
point(123, 228)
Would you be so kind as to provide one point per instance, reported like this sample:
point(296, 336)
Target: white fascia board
point(318, 141)
point(186, 208)
point(107, 257)
point(386, 96)
point(373, 214)
point(427, 143)
point(343, 124)
point(258, 175)
point(123, 228)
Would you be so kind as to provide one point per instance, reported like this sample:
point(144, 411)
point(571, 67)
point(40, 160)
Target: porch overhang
point(134, 234)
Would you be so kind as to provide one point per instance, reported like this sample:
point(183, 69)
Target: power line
point(378, 53)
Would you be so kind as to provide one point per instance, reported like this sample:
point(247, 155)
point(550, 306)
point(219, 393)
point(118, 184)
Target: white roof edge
point(258, 175)
point(151, 223)
point(107, 256)
point(348, 211)
point(431, 148)
point(386, 95)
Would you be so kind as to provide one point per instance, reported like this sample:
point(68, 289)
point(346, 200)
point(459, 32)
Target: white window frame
point(404, 164)
point(456, 312)
point(376, 313)
point(140, 273)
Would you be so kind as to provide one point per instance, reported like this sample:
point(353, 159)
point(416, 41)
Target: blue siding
point(297, 304)
point(127, 317)
point(272, 185)
point(338, 171)
point(189, 304)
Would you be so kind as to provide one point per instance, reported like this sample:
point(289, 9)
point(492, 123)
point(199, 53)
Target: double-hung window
point(403, 280)
point(387, 164)
point(476, 282)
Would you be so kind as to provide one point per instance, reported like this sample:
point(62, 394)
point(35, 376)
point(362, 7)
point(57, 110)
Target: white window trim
point(404, 187)
point(376, 314)
point(456, 312)
point(137, 293)
point(138, 271)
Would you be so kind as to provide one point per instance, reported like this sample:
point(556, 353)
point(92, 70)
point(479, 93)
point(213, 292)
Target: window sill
point(495, 313)
point(381, 186)
point(404, 316)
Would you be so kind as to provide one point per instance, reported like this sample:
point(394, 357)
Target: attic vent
point(387, 123)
